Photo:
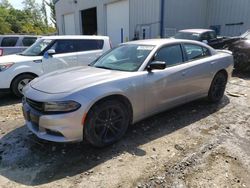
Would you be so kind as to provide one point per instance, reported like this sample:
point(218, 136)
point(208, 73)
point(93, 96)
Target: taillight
point(1, 52)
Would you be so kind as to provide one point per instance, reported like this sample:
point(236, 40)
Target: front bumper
point(66, 127)
point(5, 79)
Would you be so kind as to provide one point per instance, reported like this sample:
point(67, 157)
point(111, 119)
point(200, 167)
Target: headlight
point(5, 66)
point(61, 106)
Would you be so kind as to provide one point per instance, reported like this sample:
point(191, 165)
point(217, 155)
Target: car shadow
point(20, 150)
point(8, 99)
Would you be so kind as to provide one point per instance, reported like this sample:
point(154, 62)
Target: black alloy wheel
point(217, 88)
point(106, 123)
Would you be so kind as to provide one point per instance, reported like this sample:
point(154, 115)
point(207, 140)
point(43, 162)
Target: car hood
point(17, 58)
point(77, 78)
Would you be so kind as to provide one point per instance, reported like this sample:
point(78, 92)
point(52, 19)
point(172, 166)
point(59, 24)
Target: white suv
point(49, 54)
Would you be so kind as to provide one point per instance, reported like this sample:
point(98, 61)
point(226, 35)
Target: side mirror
point(49, 53)
point(205, 41)
point(156, 65)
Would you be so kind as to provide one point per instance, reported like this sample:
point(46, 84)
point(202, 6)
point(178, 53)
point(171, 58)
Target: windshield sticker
point(145, 48)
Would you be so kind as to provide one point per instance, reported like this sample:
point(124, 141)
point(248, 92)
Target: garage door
point(118, 21)
point(69, 24)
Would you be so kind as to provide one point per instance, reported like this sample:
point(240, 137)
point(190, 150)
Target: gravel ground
point(194, 145)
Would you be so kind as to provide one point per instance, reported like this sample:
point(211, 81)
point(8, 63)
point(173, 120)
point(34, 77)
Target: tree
point(44, 11)
point(5, 27)
point(5, 4)
point(30, 20)
point(51, 5)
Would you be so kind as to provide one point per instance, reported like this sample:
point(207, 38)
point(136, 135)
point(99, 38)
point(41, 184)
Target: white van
point(49, 54)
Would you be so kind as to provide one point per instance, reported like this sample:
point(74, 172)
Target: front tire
point(19, 82)
point(106, 123)
point(217, 88)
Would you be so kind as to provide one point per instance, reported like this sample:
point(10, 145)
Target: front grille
point(35, 104)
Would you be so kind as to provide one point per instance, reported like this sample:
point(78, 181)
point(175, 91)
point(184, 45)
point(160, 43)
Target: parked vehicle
point(49, 54)
point(241, 53)
point(131, 82)
point(12, 44)
point(207, 36)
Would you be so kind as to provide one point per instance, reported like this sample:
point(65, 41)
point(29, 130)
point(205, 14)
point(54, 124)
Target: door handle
point(183, 73)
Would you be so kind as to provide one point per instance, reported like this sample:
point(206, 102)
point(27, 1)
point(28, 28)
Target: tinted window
point(28, 41)
point(195, 51)
point(64, 46)
point(206, 52)
point(212, 35)
point(88, 44)
point(9, 41)
point(205, 36)
point(172, 55)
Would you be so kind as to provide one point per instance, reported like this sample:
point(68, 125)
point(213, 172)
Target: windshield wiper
point(103, 67)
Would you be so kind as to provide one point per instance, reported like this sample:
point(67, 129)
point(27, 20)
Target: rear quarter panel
point(223, 60)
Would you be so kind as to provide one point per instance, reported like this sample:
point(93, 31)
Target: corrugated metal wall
point(68, 6)
point(145, 14)
point(179, 14)
point(184, 14)
point(222, 12)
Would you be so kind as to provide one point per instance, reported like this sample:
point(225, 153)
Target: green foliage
point(51, 5)
point(31, 20)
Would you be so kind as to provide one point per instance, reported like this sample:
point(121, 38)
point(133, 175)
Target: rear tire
point(106, 123)
point(217, 88)
point(19, 82)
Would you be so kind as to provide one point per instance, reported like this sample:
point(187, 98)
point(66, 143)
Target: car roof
point(199, 31)
point(56, 37)
point(159, 42)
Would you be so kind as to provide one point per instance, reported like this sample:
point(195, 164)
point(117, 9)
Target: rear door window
point(9, 41)
point(195, 51)
point(28, 41)
point(89, 44)
point(172, 55)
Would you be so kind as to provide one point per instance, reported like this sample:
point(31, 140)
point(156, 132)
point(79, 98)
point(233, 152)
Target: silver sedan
point(131, 82)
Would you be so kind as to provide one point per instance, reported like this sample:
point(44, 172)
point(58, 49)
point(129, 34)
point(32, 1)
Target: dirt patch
point(195, 145)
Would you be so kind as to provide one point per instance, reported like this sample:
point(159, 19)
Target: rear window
point(89, 44)
point(187, 35)
point(28, 41)
point(9, 41)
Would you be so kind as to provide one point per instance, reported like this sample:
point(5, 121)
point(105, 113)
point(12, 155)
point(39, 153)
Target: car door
point(166, 88)
point(89, 50)
point(65, 56)
point(198, 71)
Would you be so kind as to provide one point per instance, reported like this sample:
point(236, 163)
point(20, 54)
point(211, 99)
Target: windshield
point(188, 36)
point(127, 57)
point(37, 47)
point(247, 36)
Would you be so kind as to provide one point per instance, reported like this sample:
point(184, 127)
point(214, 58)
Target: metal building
point(125, 20)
